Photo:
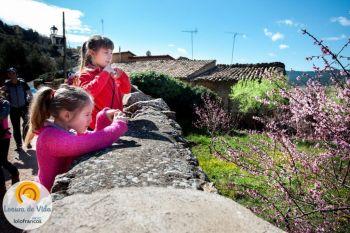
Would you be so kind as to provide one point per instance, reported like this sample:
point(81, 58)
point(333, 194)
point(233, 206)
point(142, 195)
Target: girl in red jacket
point(107, 85)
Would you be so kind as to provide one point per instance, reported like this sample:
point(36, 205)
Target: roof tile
point(188, 69)
point(175, 68)
point(242, 71)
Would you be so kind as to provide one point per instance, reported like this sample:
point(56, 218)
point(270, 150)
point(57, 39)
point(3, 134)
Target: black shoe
point(15, 179)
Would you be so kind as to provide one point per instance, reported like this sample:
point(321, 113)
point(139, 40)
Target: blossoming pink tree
point(304, 191)
point(212, 116)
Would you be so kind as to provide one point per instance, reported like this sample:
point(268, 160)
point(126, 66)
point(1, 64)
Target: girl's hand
point(110, 114)
point(109, 69)
point(118, 115)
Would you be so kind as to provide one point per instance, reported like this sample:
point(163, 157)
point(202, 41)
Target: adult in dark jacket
point(19, 95)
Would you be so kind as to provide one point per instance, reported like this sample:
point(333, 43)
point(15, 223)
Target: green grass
point(227, 177)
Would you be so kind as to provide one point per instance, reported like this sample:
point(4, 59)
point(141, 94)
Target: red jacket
point(106, 90)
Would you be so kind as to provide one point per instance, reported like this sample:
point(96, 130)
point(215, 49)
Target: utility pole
point(234, 35)
point(191, 32)
point(102, 27)
point(64, 47)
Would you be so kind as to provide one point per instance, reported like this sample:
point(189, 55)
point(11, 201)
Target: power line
point(191, 32)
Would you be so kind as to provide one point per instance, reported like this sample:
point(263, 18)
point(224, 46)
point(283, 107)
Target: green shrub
point(247, 95)
point(181, 97)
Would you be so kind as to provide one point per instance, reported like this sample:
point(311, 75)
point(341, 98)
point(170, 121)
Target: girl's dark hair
point(47, 103)
point(94, 43)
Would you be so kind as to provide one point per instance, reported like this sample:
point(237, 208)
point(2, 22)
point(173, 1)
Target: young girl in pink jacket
point(65, 136)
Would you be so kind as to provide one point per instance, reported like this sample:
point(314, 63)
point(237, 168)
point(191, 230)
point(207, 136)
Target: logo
point(27, 205)
point(29, 189)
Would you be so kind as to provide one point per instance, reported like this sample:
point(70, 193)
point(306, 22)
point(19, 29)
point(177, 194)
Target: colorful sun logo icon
point(28, 189)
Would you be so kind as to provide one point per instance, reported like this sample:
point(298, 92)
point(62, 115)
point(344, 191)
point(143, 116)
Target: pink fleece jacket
point(56, 148)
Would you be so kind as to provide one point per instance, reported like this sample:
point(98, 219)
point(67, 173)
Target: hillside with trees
point(30, 53)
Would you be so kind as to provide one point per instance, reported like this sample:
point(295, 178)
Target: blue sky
point(271, 27)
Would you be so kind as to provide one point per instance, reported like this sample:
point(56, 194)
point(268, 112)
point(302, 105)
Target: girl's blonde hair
point(94, 43)
point(47, 103)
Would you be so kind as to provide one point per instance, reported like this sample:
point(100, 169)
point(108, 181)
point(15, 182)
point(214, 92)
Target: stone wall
point(148, 181)
point(152, 153)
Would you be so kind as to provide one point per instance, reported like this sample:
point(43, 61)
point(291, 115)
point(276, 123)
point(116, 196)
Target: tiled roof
point(175, 68)
point(129, 52)
point(155, 57)
point(242, 71)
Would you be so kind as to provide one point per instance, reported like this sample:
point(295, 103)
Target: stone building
point(128, 56)
point(217, 77)
point(221, 78)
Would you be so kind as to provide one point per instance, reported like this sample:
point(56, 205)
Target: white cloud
point(274, 36)
point(287, 22)
point(272, 54)
point(335, 38)
point(290, 23)
point(182, 50)
point(341, 20)
point(283, 46)
point(171, 45)
point(41, 16)
point(277, 36)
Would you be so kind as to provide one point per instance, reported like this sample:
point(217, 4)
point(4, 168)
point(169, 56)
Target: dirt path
point(26, 163)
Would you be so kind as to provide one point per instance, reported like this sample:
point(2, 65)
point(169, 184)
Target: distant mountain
point(304, 76)
point(30, 53)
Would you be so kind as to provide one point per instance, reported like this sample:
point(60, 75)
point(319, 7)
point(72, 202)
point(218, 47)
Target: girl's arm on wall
point(68, 145)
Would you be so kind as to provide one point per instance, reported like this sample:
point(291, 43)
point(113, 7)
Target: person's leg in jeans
point(15, 117)
point(24, 116)
point(4, 149)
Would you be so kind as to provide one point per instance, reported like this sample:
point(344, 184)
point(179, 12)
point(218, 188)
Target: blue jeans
point(15, 115)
